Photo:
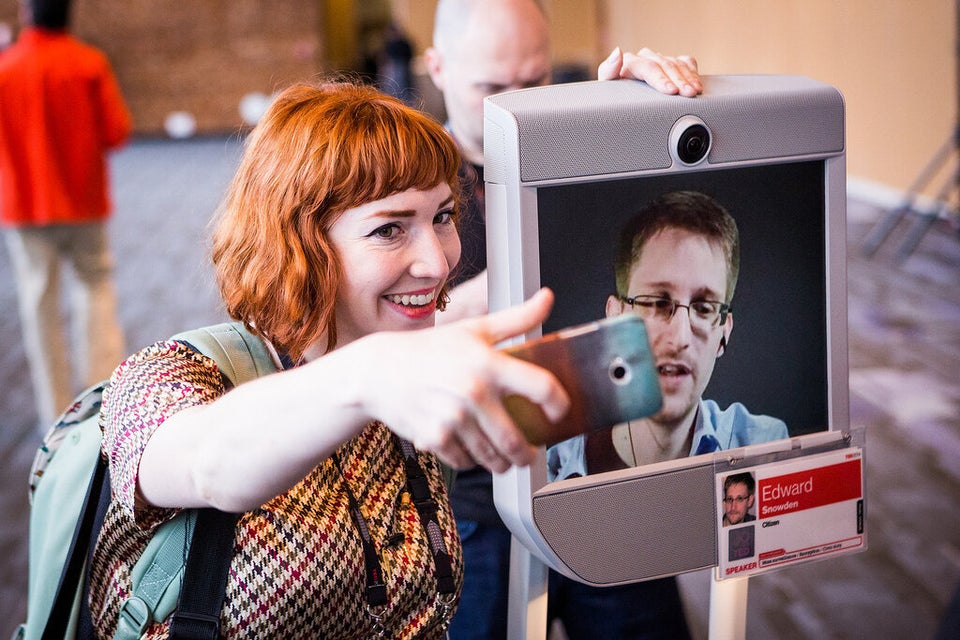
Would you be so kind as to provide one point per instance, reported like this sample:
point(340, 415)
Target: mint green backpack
point(62, 511)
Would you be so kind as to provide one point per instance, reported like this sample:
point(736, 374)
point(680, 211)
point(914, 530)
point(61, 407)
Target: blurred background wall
point(894, 60)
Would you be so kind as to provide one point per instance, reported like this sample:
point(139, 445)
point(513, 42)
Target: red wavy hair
point(319, 150)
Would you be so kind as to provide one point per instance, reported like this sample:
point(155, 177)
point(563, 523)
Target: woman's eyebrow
point(405, 213)
point(394, 213)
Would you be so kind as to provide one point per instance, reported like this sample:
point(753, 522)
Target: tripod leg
point(922, 225)
point(879, 233)
point(883, 228)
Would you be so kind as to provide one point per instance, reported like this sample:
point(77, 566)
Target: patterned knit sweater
point(297, 570)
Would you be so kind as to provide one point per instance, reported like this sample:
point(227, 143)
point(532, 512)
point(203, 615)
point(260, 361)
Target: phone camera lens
point(619, 371)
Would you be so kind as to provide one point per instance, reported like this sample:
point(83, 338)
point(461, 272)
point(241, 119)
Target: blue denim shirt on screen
point(732, 427)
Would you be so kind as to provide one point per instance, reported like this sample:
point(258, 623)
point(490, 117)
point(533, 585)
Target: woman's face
point(395, 256)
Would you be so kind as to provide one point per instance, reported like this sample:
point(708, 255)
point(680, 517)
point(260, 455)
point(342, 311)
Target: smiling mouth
point(421, 300)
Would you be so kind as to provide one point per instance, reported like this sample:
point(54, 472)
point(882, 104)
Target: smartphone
point(605, 366)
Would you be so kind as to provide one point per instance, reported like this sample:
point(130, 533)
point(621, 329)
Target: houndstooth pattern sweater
point(297, 569)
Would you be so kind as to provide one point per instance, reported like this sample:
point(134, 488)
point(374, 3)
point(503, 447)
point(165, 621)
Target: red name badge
point(790, 511)
point(810, 489)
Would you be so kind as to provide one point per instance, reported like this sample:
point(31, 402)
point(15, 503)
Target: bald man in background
point(481, 48)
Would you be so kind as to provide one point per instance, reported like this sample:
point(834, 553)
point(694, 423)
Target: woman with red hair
point(333, 245)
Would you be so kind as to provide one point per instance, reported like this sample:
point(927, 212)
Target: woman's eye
point(443, 217)
point(386, 232)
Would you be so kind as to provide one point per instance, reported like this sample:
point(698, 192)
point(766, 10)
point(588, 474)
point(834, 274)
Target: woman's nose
point(430, 258)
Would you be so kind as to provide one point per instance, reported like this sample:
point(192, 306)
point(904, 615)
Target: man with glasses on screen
point(676, 267)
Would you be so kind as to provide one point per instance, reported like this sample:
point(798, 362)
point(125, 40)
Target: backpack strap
point(205, 577)
point(63, 610)
point(240, 355)
point(159, 568)
point(208, 533)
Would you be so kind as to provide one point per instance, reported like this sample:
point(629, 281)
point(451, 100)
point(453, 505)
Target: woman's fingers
point(514, 321)
point(443, 388)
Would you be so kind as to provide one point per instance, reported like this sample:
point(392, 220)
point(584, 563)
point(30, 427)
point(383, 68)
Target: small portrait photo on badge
point(739, 501)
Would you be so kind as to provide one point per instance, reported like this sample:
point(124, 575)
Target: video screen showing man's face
point(674, 271)
point(721, 389)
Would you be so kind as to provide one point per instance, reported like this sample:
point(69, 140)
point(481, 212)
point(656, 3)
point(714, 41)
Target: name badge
point(782, 513)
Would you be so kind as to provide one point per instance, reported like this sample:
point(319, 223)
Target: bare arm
point(441, 388)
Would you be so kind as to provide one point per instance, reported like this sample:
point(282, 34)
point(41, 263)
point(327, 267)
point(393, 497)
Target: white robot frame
point(659, 520)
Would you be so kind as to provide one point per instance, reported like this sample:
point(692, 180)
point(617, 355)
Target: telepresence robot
point(565, 166)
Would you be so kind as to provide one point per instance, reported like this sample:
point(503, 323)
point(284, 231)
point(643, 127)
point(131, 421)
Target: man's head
point(677, 266)
point(738, 497)
point(484, 47)
point(46, 14)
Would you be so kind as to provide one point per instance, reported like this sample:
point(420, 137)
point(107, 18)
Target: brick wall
point(200, 56)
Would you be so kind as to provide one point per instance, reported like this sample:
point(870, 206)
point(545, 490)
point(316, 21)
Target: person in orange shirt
point(61, 112)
